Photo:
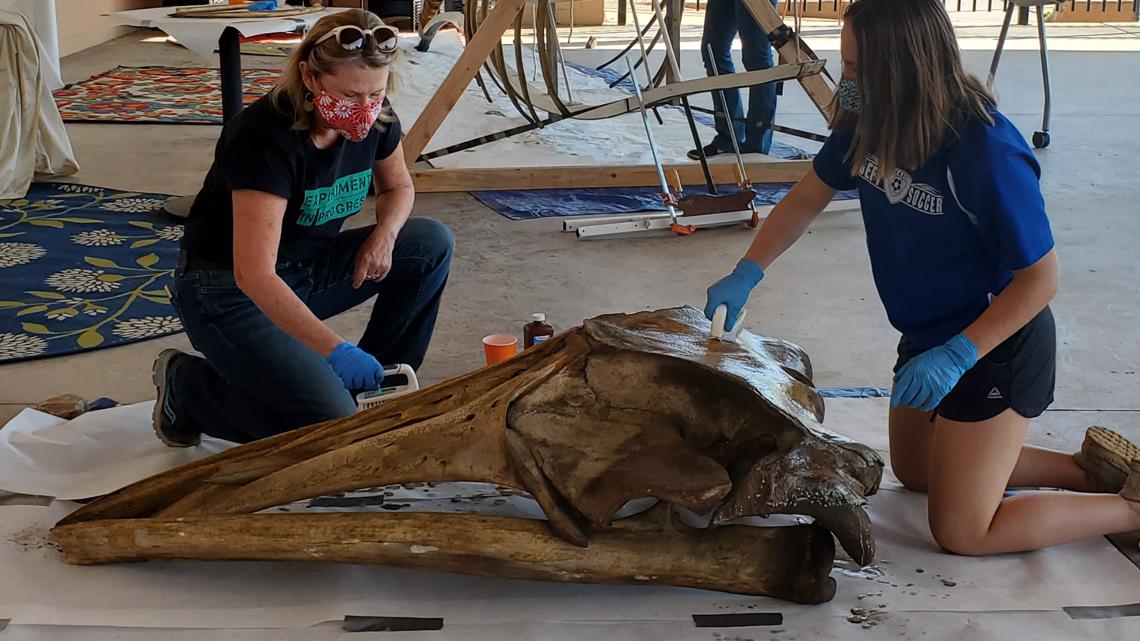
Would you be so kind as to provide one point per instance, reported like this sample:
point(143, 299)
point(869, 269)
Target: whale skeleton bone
point(619, 408)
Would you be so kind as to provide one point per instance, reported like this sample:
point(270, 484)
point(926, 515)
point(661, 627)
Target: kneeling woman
point(264, 259)
point(962, 255)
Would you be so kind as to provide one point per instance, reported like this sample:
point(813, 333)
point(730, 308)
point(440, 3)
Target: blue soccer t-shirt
point(946, 236)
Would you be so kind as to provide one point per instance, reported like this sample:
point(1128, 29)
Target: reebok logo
point(995, 394)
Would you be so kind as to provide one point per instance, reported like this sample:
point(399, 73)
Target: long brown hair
point(290, 93)
point(915, 92)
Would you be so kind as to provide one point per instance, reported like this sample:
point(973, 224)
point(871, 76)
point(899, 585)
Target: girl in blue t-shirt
point(963, 259)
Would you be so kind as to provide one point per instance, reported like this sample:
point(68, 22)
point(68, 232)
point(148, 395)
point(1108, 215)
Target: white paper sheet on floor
point(33, 141)
point(951, 598)
point(91, 455)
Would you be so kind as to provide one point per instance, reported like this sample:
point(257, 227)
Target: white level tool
point(587, 227)
point(638, 223)
point(367, 400)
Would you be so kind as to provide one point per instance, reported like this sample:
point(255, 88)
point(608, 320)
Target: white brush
point(367, 400)
point(718, 322)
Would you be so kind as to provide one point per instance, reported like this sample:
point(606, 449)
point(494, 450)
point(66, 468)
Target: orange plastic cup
point(499, 347)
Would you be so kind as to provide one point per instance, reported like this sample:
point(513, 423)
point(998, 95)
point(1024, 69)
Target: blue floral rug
point(84, 268)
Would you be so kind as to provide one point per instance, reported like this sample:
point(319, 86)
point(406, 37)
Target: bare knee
point(956, 537)
point(911, 475)
point(911, 432)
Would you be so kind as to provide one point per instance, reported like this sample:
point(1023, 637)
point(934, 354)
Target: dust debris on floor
point(32, 538)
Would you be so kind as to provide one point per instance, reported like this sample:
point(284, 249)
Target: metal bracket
point(781, 36)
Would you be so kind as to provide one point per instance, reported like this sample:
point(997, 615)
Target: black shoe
point(710, 150)
point(164, 417)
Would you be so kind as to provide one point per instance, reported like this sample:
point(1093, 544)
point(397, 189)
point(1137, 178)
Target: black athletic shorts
point(1020, 373)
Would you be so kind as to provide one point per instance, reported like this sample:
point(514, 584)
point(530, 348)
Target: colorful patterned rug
point(164, 95)
point(84, 268)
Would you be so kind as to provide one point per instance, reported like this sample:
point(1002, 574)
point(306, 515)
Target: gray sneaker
point(164, 417)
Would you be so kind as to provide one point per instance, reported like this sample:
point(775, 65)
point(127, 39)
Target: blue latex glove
point(733, 291)
point(359, 370)
point(927, 378)
point(264, 5)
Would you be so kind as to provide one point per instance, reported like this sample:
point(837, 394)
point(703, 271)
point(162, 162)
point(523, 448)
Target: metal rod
point(558, 50)
point(671, 57)
point(652, 145)
point(1000, 44)
point(799, 133)
point(1044, 68)
point(727, 118)
point(534, 40)
point(641, 44)
point(621, 54)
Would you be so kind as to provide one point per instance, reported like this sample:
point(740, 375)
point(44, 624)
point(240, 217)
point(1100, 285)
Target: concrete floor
point(819, 294)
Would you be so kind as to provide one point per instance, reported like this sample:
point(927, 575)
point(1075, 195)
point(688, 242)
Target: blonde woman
point(264, 259)
point(962, 256)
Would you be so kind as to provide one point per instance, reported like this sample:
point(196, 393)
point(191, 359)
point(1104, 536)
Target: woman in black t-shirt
point(264, 259)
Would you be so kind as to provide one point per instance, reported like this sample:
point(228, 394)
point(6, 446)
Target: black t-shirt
point(260, 150)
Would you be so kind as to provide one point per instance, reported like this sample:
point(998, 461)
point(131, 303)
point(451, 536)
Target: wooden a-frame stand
point(490, 33)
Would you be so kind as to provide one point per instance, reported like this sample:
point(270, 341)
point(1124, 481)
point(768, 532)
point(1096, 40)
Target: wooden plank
point(671, 91)
point(817, 87)
point(486, 38)
point(567, 177)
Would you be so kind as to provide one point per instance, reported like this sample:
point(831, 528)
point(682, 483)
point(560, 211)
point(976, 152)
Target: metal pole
point(1000, 45)
point(671, 57)
point(724, 106)
point(1044, 69)
point(652, 146)
point(641, 44)
point(229, 52)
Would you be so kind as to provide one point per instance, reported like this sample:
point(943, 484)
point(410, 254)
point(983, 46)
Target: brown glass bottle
point(537, 331)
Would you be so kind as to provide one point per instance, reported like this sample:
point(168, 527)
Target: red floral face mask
point(352, 119)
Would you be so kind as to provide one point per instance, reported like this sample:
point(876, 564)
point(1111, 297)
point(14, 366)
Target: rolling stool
point(1040, 138)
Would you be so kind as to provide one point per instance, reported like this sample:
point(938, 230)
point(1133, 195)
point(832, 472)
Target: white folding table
point(202, 35)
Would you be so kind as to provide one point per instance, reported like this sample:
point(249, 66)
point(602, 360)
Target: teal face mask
point(850, 98)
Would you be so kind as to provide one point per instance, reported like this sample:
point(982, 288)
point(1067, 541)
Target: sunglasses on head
point(351, 38)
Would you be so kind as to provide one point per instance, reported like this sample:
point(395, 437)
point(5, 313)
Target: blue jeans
point(255, 380)
point(723, 20)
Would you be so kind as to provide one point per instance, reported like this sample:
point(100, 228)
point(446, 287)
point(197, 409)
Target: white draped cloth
point(33, 140)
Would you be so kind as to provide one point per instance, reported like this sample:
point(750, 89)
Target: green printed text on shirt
point(343, 198)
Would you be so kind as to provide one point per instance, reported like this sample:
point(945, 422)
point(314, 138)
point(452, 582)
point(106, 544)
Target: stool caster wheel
point(1041, 139)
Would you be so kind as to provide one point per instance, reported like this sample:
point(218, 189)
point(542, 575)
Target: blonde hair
point(915, 91)
point(290, 93)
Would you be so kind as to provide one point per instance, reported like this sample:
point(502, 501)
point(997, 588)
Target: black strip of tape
point(390, 624)
point(1082, 612)
point(738, 620)
point(781, 36)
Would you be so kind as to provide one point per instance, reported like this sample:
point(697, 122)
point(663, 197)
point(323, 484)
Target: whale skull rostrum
point(620, 408)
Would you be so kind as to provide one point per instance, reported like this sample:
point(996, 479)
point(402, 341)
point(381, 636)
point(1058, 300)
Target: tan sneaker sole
point(1131, 489)
point(1105, 457)
point(158, 376)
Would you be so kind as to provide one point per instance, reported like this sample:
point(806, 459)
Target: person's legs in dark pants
point(719, 32)
point(407, 299)
point(756, 54)
point(255, 380)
